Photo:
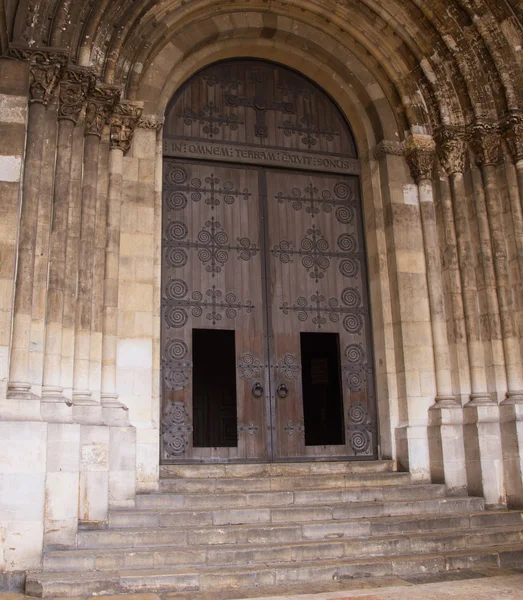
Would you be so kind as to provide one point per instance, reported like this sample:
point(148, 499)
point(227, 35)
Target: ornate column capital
point(101, 101)
point(47, 65)
point(391, 147)
point(123, 121)
point(486, 143)
point(420, 152)
point(512, 130)
point(74, 86)
point(151, 123)
point(451, 146)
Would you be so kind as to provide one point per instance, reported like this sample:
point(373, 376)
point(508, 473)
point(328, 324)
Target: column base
point(114, 412)
point(481, 399)
point(56, 408)
point(513, 398)
point(446, 402)
point(86, 411)
point(20, 404)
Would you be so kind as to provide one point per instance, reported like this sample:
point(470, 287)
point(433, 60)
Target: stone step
point(278, 498)
point(55, 585)
point(320, 530)
point(257, 553)
point(341, 481)
point(289, 514)
point(262, 470)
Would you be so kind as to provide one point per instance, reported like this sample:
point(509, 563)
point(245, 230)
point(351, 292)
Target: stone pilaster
point(45, 74)
point(123, 122)
point(482, 435)
point(446, 447)
point(99, 105)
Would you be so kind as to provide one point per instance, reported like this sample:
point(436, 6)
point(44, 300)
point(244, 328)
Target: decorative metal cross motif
point(260, 104)
point(290, 428)
point(310, 132)
point(352, 309)
point(176, 304)
point(311, 199)
point(212, 191)
point(251, 428)
point(210, 117)
point(212, 244)
point(315, 253)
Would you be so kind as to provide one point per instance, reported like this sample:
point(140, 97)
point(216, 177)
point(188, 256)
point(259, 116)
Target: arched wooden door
point(266, 341)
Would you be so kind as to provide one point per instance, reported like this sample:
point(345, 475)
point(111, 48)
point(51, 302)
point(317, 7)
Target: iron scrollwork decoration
point(320, 308)
point(212, 244)
point(175, 366)
point(316, 255)
point(212, 120)
point(344, 200)
point(292, 428)
point(309, 131)
point(359, 428)
point(288, 367)
point(249, 366)
point(356, 369)
point(176, 304)
point(176, 429)
point(178, 189)
point(251, 428)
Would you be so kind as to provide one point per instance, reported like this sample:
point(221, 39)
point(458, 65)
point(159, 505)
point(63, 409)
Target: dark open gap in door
point(214, 389)
point(322, 391)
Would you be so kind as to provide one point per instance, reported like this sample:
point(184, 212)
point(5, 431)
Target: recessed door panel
point(212, 279)
point(317, 273)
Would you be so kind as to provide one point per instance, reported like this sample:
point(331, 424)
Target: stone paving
point(477, 584)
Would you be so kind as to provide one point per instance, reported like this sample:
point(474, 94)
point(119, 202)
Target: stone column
point(446, 447)
point(99, 105)
point(482, 434)
point(45, 75)
point(72, 91)
point(487, 145)
point(123, 121)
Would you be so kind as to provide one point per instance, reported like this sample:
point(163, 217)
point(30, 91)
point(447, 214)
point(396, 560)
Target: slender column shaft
point(470, 296)
point(82, 346)
point(112, 261)
point(487, 262)
point(19, 375)
point(435, 287)
point(52, 389)
point(508, 325)
point(451, 267)
point(71, 263)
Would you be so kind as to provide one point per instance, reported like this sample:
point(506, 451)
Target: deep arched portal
point(266, 341)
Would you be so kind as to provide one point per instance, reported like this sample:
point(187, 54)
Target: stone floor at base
point(475, 584)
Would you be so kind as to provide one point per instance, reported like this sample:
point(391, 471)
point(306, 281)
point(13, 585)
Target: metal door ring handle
point(282, 390)
point(257, 389)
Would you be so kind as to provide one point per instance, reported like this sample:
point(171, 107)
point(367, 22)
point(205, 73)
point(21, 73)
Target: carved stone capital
point(124, 119)
point(47, 65)
point(451, 146)
point(388, 147)
point(74, 87)
point(420, 151)
point(486, 143)
point(101, 101)
point(151, 123)
point(512, 130)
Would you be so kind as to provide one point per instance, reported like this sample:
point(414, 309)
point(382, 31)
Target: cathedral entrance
point(266, 341)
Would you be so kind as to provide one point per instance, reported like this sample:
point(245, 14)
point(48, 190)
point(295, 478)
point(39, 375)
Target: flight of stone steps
point(216, 527)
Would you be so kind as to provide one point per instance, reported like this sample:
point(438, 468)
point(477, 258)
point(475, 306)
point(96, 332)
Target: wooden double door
point(266, 346)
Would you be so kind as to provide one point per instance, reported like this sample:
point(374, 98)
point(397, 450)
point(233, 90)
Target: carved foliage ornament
point(486, 143)
point(452, 149)
point(100, 104)
point(124, 119)
point(512, 129)
point(419, 153)
point(73, 90)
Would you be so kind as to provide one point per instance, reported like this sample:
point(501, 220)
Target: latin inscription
point(281, 158)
